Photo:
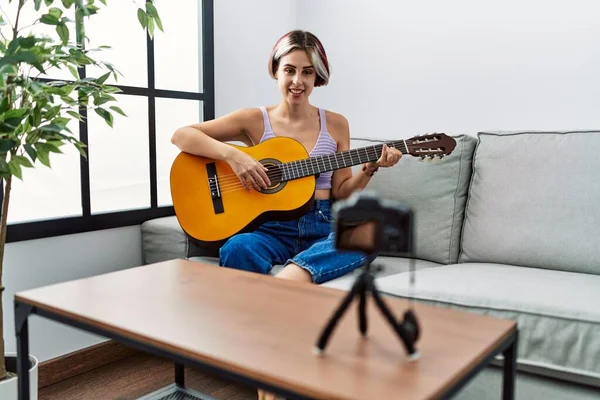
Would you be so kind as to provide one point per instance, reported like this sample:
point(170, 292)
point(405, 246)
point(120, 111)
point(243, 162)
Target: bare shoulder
point(337, 125)
point(243, 125)
point(253, 123)
point(249, 118)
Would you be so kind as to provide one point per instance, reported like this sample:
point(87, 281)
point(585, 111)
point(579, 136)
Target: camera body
point(368, 223)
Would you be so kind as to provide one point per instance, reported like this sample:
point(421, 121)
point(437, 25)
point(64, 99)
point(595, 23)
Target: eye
point(289, 71)
point(308, 72)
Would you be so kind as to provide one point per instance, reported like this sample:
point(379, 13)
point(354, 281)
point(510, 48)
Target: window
point(166, 83)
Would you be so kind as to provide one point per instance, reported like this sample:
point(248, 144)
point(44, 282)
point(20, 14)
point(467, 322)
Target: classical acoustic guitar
point(212, 204)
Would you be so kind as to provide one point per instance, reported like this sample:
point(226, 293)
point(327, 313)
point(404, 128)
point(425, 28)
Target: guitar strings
point(231, 182)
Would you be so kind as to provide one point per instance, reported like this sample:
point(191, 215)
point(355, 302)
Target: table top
point(265, 328)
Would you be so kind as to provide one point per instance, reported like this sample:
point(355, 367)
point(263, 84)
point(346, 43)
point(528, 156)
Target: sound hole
point(275, 174)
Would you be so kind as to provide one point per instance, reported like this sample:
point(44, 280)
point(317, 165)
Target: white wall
point(245, 32)
point(34, 263)
point(402, 68)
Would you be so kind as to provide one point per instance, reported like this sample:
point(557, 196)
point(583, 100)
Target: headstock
point(431, 145)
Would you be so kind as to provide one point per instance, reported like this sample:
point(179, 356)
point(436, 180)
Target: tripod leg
point(402, 334)
point(362, 312)
point(328, 330)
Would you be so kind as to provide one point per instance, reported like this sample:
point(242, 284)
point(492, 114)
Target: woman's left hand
point(389, 157)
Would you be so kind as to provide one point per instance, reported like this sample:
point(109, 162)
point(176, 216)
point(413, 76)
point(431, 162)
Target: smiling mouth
point(296, 91)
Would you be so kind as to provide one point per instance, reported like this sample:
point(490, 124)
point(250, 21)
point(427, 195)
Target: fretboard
point(319, 164)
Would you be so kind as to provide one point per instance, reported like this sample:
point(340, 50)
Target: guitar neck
point(319, 164)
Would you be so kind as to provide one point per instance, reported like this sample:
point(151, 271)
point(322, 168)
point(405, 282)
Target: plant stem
point(4, 217)
point(5, 200)
point(16, 27)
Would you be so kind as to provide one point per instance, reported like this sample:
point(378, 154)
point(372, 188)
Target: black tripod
point(407, 330)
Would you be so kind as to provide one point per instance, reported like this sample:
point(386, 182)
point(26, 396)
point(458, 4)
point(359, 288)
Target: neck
point(295, 112)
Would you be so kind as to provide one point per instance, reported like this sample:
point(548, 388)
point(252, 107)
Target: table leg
point(22, 332)
point(510, 370)
point(179, 375)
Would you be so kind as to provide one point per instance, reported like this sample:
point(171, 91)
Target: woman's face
point(296, 77)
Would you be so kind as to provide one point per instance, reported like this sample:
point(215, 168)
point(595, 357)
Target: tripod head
point(372, 225)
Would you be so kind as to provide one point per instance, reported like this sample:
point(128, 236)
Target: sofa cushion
point(163, 239)
point(435, 191)
point(533, 201)
point(557, 311)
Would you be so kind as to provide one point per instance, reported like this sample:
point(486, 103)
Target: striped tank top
point(325, 145)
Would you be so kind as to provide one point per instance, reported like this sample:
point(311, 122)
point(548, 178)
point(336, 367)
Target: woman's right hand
point(250, 172)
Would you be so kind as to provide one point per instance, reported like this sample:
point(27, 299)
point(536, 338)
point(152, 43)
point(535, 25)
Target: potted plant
point(34, 112)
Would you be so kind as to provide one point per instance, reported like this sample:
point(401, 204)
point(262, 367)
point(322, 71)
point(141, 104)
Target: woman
point(305, 246)
point(298, 63)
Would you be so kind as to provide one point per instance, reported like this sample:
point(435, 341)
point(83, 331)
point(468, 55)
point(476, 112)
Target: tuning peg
point(422, 157)
point(440, 156)
point(431, 157)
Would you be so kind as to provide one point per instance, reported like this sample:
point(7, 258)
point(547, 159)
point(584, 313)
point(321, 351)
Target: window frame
point(88, 222)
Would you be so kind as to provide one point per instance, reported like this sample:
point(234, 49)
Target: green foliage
point(35, 113)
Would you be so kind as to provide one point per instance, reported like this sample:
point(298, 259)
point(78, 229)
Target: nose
point(296, 79)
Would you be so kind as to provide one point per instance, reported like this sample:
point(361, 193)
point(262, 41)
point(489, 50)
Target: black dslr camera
point(372, 225)
point(367, 223)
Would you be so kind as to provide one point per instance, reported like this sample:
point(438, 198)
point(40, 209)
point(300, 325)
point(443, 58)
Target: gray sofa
point(508, 225)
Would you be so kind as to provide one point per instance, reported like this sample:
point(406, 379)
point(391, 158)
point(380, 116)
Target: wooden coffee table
point(261, 331)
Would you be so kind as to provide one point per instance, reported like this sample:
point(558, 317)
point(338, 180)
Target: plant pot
point(8, 387)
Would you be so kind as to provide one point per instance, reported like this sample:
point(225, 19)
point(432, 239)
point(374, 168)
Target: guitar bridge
point(215, 190)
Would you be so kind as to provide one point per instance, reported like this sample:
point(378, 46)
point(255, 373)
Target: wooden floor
point(137, 375)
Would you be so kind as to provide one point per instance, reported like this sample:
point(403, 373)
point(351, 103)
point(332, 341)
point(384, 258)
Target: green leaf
point(154, 14)
point(12, 119)
point(37, 4)
point(27, 42)
point(48, 147)
point(108, 117)
point(73, 71)
point(142, 17)
point(68, 3)
point(18, 113)
point(112, 89)
point(103, 78)
point(75, 115)
point(54, 11)
point(48, 2)
point(63, 32)
point(151, 27)
point(24, 161)
point(118, 110)
point(44, 158)
point(103, 99)
point(3, 105)
point(49, 19)
point(51, 128)
point(31, 152)
point(6, 145)
point(15, 169)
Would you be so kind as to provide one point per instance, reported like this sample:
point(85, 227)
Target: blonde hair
point(306, 41)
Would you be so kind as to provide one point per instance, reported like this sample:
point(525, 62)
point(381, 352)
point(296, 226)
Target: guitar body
point(210, 214)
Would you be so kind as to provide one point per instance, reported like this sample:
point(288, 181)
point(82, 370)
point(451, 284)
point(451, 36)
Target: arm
point(207, 139)
point(343, 183)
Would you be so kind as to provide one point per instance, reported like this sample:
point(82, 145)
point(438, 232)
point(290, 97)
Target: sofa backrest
point(534, 200)
point(436, 193)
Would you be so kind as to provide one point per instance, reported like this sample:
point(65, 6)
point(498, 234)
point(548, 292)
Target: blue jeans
point(307, 242)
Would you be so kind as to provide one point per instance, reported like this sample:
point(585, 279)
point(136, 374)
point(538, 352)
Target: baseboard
point(81, 361)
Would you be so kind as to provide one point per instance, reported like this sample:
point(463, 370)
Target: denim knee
point(238, 254)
